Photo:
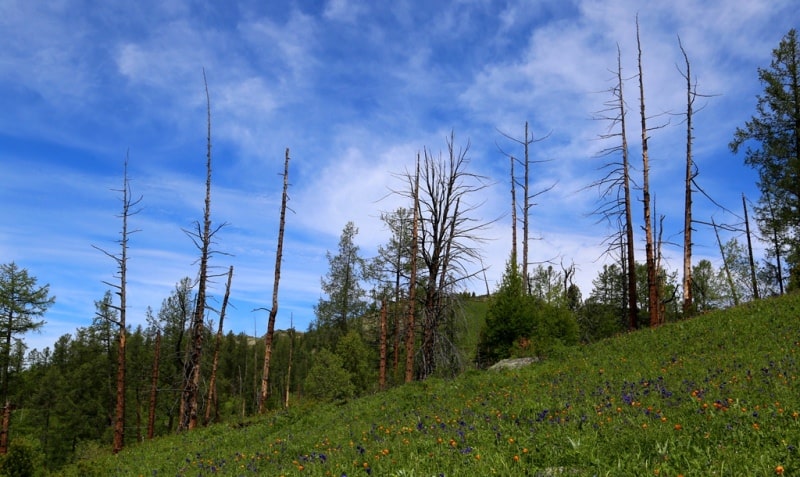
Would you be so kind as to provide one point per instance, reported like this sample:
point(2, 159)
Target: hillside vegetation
point(715, 395)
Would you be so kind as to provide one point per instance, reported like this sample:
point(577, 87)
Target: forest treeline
point(403, 314)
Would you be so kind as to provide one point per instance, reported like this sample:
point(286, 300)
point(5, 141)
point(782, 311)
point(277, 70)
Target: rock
point(513, 363)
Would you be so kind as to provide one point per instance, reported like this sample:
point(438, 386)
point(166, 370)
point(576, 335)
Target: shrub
point(22, 459)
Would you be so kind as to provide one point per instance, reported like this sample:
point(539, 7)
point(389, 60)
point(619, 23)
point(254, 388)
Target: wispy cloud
point(355, 90)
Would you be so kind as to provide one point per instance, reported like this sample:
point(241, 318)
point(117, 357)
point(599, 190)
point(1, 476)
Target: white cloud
point(343, 10)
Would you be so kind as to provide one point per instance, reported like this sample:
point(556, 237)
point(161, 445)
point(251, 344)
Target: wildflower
point(779, 470)
point(678, 427)
point(516, 458)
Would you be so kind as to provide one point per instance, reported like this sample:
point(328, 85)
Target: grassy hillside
point(715, 395)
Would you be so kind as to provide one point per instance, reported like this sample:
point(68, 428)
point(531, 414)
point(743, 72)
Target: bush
point(22, 460)
point(327, 379)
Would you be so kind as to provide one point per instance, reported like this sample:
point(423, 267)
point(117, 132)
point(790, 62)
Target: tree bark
point(273, 312)
point(122, 269)
point(633, 311)
point(412, 292)
point(687, 210)
point(191, 379)
point(652, 285)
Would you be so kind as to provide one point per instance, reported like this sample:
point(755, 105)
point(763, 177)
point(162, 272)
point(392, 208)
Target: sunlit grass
point(715, 395)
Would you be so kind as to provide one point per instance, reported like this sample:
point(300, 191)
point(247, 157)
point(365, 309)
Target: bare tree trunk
point(412, 292)
point(151, 418)
point(191, 378)
point(273, 312)
point(689, 177)
point(754, 281)
point(526, 202)
point(212, 382)
point(652, 286)
point(119, 417)
point(121, 260)
point(629, 247)
point(382, 367)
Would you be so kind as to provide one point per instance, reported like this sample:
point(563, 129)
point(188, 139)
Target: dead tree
point(412, 285)
point(652, 279)
point(273, 312)
point(202, 237)
point(691, 173)
point(121, 261)
point(211, 402)
point(527, 198)
point(446, 234)
point(615, 192)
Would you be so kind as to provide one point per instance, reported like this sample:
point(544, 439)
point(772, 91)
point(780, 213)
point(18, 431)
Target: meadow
point(713, 395)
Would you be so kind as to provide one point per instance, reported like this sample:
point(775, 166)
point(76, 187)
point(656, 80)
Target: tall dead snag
point(527, 198)
point(691, 173)
point(151, 417)
point(412, 285)
point(633, 309)
point(121, 260)
point(615, 192)
point(652, 283)
point(202, 238)
point(273, 312)
point(211, 402)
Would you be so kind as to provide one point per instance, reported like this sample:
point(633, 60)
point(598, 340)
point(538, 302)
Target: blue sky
point(355, 90)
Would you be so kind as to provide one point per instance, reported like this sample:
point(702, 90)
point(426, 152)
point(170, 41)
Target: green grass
point(715, 395)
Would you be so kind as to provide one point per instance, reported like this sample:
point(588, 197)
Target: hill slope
point(715, 395)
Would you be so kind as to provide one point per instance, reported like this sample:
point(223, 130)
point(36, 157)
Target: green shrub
point(22, 460)
point(327, 379)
